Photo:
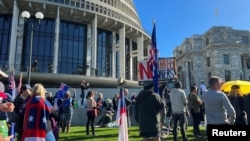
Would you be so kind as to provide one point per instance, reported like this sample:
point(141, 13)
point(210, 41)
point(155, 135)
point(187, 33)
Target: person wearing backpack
point(67, 112)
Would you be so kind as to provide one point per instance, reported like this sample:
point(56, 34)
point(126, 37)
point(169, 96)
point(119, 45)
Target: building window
point(135, 68)
point(226, 58)
point(42, 46)
point(104, 52)
point(207, 41)
point(208, 61)
point(209, 75)
point(72, 48)
point(5, 32)
point(227, 75)
point(248, 63)
point(244, 39)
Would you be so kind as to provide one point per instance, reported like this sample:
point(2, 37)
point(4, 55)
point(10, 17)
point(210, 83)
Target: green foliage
point(77, 133)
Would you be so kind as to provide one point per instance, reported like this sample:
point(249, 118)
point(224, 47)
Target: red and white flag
point(121, 117)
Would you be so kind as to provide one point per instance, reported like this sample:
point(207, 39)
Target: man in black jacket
point(150, 119)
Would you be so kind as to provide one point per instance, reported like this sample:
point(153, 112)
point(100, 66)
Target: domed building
point(70, 40)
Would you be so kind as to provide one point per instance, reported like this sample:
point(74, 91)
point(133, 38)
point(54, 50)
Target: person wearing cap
point(19, 102)
point(218, 109)
point(149, 120)
point(237, 100)
point(179, 103)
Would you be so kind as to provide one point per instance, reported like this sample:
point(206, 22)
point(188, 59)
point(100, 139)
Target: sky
point(179, 19)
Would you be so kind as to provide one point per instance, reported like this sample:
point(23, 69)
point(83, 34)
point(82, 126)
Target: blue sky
point(180, 19)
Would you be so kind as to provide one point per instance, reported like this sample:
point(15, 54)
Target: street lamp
point(39, 16)
point(240, 74)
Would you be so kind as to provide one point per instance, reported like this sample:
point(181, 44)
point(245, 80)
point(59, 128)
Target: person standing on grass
point(194, 104)
point(238, 102)
point(129, 103)
point(168, 110)
point(148, 106)
point(218, 109)
point(179, 103)
point(91, 107)
point(36, 122)
point(67, 112)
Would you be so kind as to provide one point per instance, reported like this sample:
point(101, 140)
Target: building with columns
point(96, 40)
point(221, 51)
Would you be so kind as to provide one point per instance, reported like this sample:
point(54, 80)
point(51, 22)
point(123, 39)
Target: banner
point(167, 69)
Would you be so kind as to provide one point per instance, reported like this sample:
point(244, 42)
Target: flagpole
point(121, 116)
point(155, 62)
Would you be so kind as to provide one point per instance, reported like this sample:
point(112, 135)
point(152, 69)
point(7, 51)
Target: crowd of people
point(33, 110)
point(204, 104)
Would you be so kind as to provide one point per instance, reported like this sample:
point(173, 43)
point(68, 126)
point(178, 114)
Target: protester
point(179, 103)
point(84, 86)
point(149, 119)
point(19, 103)
point(37, 124)
point(237, 101)
point(115, 104)
point(194, 104)
point(108, 110)
point(67, 112)
point(115, 101)
point(99, 107)
point(6, 107)
point(91, 112)
point(168, 110)
point(131, 108)
point(218, 109)
point(128, 103)
point(203, 88)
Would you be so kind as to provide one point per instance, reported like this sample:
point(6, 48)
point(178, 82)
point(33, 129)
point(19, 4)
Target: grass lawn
point(77, 133)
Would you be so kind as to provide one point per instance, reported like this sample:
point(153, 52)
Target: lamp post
point(39, 16)
point(240, 74)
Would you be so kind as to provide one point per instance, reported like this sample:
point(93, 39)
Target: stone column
point(89, 47)
point(122, 51)
point(13, 39)
point(56, 42)
point(94, 42)
point(130, 60)
point(140, 49)
point(114, 56)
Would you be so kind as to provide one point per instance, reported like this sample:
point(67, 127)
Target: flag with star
point(37, 111)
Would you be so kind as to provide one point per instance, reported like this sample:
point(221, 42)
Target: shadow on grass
point(190, 136)
point(88, 137)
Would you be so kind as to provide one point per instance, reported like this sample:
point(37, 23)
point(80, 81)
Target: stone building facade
point(221, 51)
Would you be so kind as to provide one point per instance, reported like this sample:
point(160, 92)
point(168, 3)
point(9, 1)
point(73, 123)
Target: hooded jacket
point(147, 111)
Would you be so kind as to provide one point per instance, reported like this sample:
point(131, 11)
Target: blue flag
point(153, 57)
point(62, 90)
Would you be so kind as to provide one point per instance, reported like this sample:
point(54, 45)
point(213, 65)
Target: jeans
point(182, 121)
point(196, 122)
point(50, 136)
point(168, 121)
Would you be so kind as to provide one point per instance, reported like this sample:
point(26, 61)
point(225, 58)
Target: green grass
point(77, 133)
